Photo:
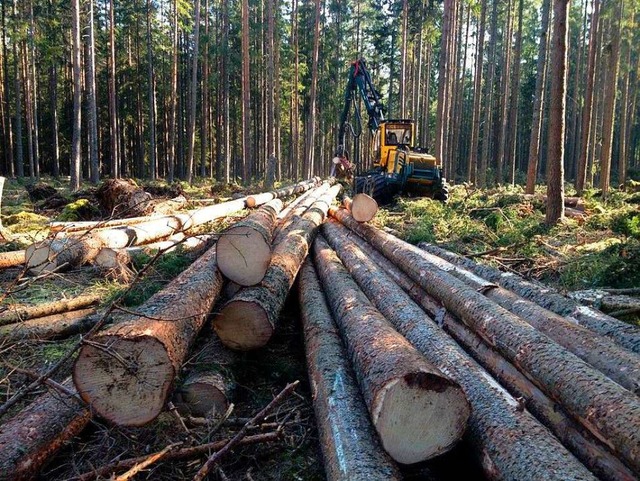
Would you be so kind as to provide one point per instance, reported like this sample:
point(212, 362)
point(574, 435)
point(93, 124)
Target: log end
point(205, 395)
point(40, 258)
point(363, 207)
point(125, 381)
point(243, 326)
point(243, 255)
point(420, 416)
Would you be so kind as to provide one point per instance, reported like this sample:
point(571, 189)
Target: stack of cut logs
point(408, 348)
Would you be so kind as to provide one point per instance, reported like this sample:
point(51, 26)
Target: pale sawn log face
point(363, 207)
point(418, 412)
point(509, 442)
point(350, 445)
point(602, 406)
point(127, 371)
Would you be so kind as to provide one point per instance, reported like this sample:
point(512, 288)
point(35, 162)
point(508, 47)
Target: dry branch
point(510, 444)
point(126, 372)
point(418, 412)
point(609, 411)
point(350, 446)
point(30, 438)
point(244, 250)
point(248, 321)
point(624, 334)
point(56, 326)
point(12, 258)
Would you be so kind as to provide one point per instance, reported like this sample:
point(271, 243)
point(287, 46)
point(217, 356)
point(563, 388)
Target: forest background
point(177, 89)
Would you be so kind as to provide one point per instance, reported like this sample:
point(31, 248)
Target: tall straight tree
point(504, 97)
point(512, 131)
point(309, 158)
point(173, 102)
point(77, 99)
point(246, 93)
point(151, 92)
point(193, 93)
point(472, 164)
point(6, 99)
point(538, 103)
point(403, 59)
point(294, 115)
point(18, 81)
point(446, 50)
point(270, 53)
point(610, 100)
point(113, 99)
point(490, 87)
point(33, 82)
point(92, 121)
point(557, 108)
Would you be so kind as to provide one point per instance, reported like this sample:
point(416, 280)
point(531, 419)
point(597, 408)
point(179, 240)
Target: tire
point(377, 186)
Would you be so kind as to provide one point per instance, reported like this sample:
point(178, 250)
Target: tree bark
point(613, 64)
point(351, 448)
point(153, 149)
point(406, 395)
point(114, 133)
point(472, 164)
point(123, 198)
point(12, 258)
point(193, 94)
point(77, 97)
point(17, 97)
point(13, 315)
point(585, 446)
point(173, 102)
point(586, 393)
point(624, 334)
point(508, 441)
point(94, 160)
point(557, 109)
point(128, 381)
point(246, 94)
point(248, 321)
point(538, 103)
point(34, 435)
point(309, 158)
point(244, 250)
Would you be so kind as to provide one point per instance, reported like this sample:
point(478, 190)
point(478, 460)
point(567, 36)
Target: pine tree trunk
point(77, 100)
point(587, 394)
point(472, 165)
point(6, 99)
point(624, 121)
point(402, 83)
point(488, 111)
point(193, 94)
point(508, 441)
point(309, 158)
point(151, 92)
point(173, 103)
point(31, 72)
point(512, 132)
point(406, 395)
point(350, 447)
point(113, 100)
point(128, 382)
point(246, 94)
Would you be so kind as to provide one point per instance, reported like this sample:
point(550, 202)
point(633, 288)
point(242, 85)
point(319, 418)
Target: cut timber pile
point(609, 411)
point(244, 250)
point(123, 198)
point(31, 437)
point(418, 412)
point(350, 447)
point(509, 441)
point(258, 199)
point(624, 334)
point(126, 372)
point(362, 207)
point(248, 321)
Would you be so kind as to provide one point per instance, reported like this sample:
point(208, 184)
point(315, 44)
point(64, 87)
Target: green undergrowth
point(80, 210)
point(505, 228)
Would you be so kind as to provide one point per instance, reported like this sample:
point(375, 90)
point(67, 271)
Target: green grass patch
point(80, 210)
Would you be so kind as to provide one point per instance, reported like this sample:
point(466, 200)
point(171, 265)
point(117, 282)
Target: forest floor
point(499, 226)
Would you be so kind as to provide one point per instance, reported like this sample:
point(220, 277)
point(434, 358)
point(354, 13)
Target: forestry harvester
point(398, 165)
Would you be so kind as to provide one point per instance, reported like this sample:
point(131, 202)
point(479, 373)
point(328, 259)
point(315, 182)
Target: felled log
point(126, 372)
point(13, 314)
point(83, 226)
point(293, 213)
point(249, 320)
point(208, 389)
point(35, 434)
point(56, 326)
point(350, 446)
point(418, 412)
point(624, 334)
point(72, 252)
point(600, 352)
point(496, 420)
point(603, 300)
point(244, 250)
point(362, 207)
point(258, 199)
point(609, 411)
point(12, 258)
point(123, 198)
point(570, 202)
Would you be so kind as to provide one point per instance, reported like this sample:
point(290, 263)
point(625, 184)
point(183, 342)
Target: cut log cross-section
point(249, 319)
point(418, 412)
point(609, 411)
point(31, 437)
point(624, 334)
point(126, 372)
point(350, 446)
point(363, 208)
point(507, 452)
point(244, 250)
